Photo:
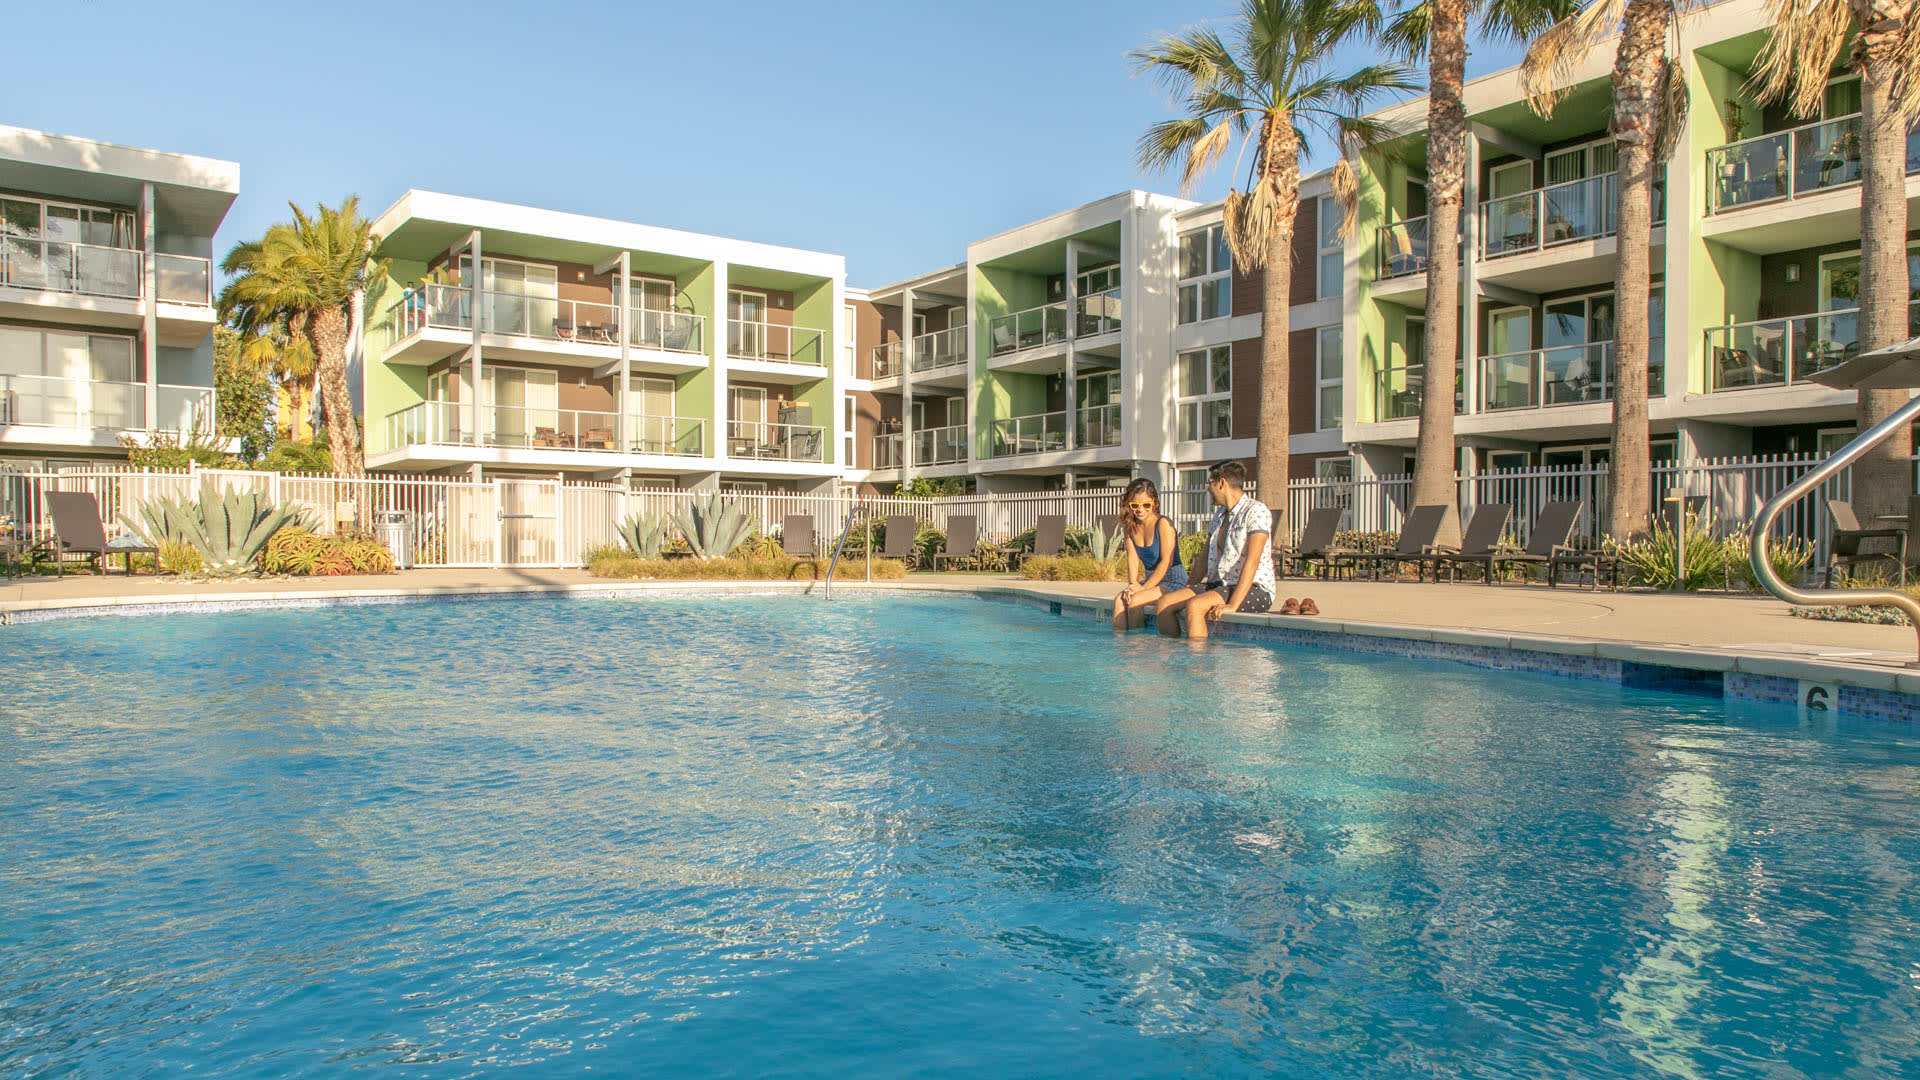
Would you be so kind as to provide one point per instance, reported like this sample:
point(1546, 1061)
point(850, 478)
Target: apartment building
point(1755, 256)
point(106, 295)
point(1109, 341)
point(508, 341)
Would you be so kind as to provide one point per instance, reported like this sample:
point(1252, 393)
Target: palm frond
point(1203, 152)
point(1799, 54)
point(1547, 69)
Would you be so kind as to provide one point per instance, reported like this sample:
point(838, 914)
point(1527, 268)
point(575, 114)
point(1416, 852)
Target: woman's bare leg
point(1136, 613)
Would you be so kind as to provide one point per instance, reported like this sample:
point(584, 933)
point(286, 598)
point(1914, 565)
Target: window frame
point(1322, 383)
point(1325, 249)
point(1200, 402)
point(1216, 281)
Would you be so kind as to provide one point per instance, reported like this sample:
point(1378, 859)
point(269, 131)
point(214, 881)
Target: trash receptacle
point(394, 530)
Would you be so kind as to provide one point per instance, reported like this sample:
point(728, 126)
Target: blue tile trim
point(1674, 679)
point(1772, 689)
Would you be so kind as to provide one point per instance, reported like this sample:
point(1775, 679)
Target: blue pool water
point(922, 837)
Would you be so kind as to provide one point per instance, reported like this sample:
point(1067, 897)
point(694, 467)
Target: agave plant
point(712, 527)
point(1104, 546)
point(228, 529)
point(645, 534)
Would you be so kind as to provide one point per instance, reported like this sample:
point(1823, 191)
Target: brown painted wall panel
point(1246, 385)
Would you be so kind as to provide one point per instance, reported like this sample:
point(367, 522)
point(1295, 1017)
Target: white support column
point(1469, 281)
point(476, 315)
point(722, 333)
point(149, 309)
point(907, 300)
point(1073, 325)
point(624, 425)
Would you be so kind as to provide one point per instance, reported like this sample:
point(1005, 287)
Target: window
point(652, 294)
point(846, 426)
point(747, 409)
point(1333, 468)
point(848, 319)
point(919, 324)
point(1332, 251)
point(956, 316)
point(1097, 280)
point(746, 324)
point(1330, 363)
point(1579, 162)
point(77, 357)
point(1205, 400)
point(1206, 275)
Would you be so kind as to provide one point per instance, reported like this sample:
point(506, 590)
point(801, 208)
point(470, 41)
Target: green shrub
point(614, 563)
point(180, 557)
point(1191, 545)
point(1069, 568)
point(1653, 560)
point(1789, 558)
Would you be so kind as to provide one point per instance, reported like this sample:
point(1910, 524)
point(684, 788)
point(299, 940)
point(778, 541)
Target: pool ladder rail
point(860, 510)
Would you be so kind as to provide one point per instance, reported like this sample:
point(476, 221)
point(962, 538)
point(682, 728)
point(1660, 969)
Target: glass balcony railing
point(776, 442)
point(1403, 248)
point(1098, 425)
point(773, 343)
point(1397, 392)
point(1018, 330)
point(1558, 214)
point(1789, 164)
point(889, 359)
point(886, 451)
point(183, 279)
point(668, 436)
point(79, 269)
point(102, 405)
point(668, 331)
point(446, 423)
point(942, 348)
point(941, 445)
point(1782, 352)
point(1034, 434)
point(1098, 313)
point(1561, 375)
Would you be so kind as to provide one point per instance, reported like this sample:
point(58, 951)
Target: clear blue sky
point(890, 132)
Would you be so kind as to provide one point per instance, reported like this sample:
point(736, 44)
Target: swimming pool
point(919, 836)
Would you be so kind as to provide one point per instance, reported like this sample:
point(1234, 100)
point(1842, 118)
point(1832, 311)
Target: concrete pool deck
point(1751, 636)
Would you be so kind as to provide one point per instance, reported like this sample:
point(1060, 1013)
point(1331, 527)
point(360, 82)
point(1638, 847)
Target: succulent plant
point(1104, 546)
point(712, 526)
point(228, 529)
point(645, 534)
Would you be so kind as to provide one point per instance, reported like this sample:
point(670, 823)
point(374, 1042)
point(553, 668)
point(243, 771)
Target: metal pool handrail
point(1762, 525)
point(860, 509)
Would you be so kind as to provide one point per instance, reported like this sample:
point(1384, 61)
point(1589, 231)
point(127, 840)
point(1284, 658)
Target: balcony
point(183, 279)
point(74, 269)
point(1037, 433)
point(1557, 214)
point(940, 349)
point(772, 343)
point(941, 445)
point(886, 451)
point(889, 359)
point(1403, 248)
point(1562, 375)
point(102, 405)
point(1043, 325)
point(443, 423)
point(537, 318)
point(1098, 425)
point(775, 442)
point(1397, 392)
point(1790, 164)
point(1784, 352)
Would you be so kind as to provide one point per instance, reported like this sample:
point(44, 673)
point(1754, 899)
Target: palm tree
point(300, 279)
point(1271, 86)
point(1883, 44)
point(1649, 100)
point(1437, 29)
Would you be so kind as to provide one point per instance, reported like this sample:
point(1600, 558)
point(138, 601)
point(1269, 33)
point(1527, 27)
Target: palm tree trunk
point(329, 329)
point(1280, 167)
point(1433, 460)
point(1882, 478)
point(1637, 71)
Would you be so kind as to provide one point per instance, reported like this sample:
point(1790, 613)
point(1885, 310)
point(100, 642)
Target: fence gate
point(528, 512)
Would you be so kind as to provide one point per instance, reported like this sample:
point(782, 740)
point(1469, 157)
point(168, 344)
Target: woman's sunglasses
point(1140, 506)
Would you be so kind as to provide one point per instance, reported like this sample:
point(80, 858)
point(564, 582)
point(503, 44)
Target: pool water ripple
point(916, 836)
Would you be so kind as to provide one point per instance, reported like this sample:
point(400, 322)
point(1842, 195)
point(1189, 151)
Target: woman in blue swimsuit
point(1153, 555)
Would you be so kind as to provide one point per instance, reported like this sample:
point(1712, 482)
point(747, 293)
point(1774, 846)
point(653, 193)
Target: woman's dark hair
point(1135, 488)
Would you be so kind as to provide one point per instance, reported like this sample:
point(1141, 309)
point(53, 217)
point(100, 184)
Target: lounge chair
point(1049, 537)
point(1481, 544)
point(963, 535)
point(1418, 534)
point(1847, 536)
point(796, 535)
point(1316, 540)
point(901, 530)
point(1550, 544)
point(77, 530)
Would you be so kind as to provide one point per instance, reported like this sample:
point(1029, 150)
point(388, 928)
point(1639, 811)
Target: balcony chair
point(1848, 536)
point(546, 436)
point(598, 438)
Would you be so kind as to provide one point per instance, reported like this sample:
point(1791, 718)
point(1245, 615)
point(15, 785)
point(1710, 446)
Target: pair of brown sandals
point(1302, 606)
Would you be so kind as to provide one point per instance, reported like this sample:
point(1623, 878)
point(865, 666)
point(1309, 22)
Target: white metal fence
point(526, 522)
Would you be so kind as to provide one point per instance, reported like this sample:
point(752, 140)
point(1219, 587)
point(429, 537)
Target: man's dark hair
point(1232, 472)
